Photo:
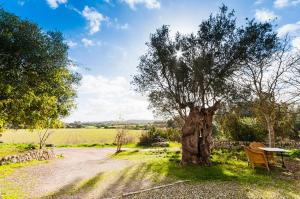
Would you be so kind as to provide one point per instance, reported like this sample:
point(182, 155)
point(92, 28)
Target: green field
point(69, 136)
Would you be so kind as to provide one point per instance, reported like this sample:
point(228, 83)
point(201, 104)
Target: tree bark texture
point(197, 136)
point(271, 131)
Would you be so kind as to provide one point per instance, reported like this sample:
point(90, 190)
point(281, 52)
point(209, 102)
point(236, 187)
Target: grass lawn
point(228, 166)
point(69, 136)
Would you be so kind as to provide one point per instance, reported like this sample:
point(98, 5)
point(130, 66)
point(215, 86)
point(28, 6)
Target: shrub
point(243, 129)
point(151, 136)
point(174, 134)
point(121, 138)
point(154, 135)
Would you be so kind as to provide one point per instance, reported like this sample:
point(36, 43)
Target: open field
point(69, 136)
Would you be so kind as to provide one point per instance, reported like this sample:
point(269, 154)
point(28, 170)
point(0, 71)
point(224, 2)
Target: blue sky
point(107, 37)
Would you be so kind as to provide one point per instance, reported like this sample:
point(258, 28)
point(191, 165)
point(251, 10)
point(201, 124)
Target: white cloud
point(21, 2)
point(264, 15)
point(71, 44)
point(258, 2)
point(55, 3)
point(87, 42)
point(94, 18)
point(72, 65)
point(108, 2)
point(296, 43)
point(117, 25)
point(122, 26)
point(293, 28)
point(102, 99)
point(281, 3)
point(150, 4)
point(285, 3)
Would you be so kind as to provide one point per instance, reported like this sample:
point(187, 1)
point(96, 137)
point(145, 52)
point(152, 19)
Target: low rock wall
point(239, 144)
point(42, 154)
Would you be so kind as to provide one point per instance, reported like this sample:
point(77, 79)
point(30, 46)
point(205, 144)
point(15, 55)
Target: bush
point(174, 134)
point(243, 129)
point(154, 135)
point(151, 136)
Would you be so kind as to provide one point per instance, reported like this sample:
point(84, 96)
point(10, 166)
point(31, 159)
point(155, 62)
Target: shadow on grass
point(164, 166)
point(226, 166)
point(64, 190)
point(89, 184)
point(75, 187)
point(130, 179)
point(125, 153)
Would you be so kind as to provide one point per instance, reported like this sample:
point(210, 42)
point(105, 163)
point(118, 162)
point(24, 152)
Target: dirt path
point(76, 165)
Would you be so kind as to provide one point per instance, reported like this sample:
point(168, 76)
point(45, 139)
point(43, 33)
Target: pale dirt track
point(76, 165)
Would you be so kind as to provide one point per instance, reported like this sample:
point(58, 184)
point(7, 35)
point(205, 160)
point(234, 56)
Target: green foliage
point(242, 128)
point(159, 135)
point(245, 118)
point(197, 69)
point(286, 122)
point(151, 136)
point(173, 134)
point(36, 86)
point(295, 153)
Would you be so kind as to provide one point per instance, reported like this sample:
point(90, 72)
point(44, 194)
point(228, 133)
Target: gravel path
point(195, 191)
point(78, 164)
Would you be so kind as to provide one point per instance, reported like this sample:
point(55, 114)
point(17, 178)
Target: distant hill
point(136, 124)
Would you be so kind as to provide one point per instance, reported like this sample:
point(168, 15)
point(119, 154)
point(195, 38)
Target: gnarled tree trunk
point(197, 136)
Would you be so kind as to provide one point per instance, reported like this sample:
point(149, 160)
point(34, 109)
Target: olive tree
point(191, 75)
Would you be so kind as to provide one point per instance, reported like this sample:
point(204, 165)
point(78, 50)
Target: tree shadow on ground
point(165, 167)
point(131, 179)
point(64, 190)
point(75, 187)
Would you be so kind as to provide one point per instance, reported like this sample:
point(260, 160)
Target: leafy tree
point(240, 127)
point(268, 75)
point(36, 86)
point(190, 75)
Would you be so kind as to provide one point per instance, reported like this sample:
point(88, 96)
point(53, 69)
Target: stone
point(161, 144)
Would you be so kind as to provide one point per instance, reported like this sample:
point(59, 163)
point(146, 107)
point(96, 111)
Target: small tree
point(268, 75)
point(121, 138)
point(189, 76)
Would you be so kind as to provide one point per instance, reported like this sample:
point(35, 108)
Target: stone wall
point(43, 154)
point(292, 144)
